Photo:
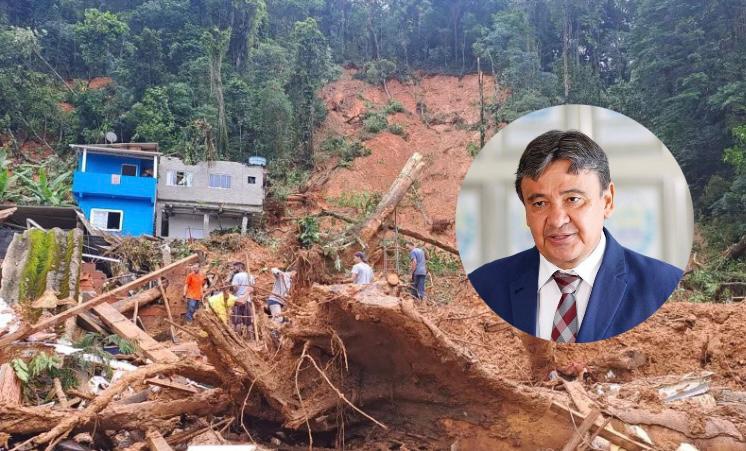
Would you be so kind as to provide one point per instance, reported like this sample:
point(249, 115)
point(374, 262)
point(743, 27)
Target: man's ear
point(608, 200)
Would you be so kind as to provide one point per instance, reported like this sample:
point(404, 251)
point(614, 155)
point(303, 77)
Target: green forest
point(232, 78)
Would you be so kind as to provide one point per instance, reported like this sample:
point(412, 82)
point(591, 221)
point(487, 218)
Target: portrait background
point(653, 213)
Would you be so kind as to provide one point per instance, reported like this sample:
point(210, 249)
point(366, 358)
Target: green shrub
point(362, 201)
point(375, 121)
point(473, 149)
point(346, 150)
point(308, 231)
point(397, 129)
point(393, 106)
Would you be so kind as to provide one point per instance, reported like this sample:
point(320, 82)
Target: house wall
point(180, 224)
point(137, 215)
point(240, 193)
point(112, 164)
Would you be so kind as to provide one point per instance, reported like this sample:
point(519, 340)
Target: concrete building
point(115, 186)
point(194, 200)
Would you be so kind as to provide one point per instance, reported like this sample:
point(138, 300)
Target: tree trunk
point(142, 298)
point(399, 188)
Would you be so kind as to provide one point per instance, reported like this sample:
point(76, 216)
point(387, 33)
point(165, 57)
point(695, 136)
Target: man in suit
point(577, 284)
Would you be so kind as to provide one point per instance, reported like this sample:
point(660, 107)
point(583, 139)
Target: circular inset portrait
point(574, 223)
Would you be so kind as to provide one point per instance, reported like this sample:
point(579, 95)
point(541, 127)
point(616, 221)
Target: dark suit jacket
point(628, 288)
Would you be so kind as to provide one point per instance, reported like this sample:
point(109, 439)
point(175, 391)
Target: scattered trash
point(689, 386)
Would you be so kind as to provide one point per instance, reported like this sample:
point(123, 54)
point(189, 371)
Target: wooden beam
point(100, 299)
point(173, 385)
point(8, 212)
point(611, 435)
point(585, 426)
point(168, 309)
point(156, 442)
point(122, 326)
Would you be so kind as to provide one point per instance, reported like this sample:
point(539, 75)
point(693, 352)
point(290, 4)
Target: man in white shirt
point(362, 273)
point(577, 284)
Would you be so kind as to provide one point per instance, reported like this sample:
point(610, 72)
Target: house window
point(178, 178)
point(107, 219)
point(252, 180)
point(220, 181)
point(129, 169)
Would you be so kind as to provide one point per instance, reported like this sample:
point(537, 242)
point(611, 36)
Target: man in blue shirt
point(418, 267)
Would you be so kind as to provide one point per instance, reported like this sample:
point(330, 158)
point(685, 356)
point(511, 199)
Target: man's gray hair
point(581, 151)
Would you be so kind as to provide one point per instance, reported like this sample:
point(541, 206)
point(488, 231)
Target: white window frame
point(106, 210)
point(137, 170)
point(230, 181)
point(251, 177)
point(171, 178)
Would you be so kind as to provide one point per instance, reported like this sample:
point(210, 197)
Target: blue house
point(115, 186)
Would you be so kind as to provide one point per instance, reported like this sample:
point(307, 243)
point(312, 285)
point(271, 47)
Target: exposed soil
point(441, 134)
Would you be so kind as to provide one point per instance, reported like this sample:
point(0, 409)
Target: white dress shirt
point(549, 293)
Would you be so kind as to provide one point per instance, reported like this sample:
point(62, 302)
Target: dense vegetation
point(233, 78)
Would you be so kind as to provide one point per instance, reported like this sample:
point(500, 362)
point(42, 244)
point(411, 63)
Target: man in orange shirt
point(193, 291)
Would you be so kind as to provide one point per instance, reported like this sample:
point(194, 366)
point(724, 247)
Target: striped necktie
point(565, 325)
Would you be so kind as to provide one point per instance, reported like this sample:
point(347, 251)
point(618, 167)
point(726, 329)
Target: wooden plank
point(168, 309)
point(611, 435)
point(156, 442)
point(127, 329)
point(49, 322)
point(173, 385)
point(585, 426)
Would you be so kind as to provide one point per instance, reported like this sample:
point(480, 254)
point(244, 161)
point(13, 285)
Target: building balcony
point(113, 185)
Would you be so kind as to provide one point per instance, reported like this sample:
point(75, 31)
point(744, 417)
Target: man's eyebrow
point(535, 196)
point(574, 191)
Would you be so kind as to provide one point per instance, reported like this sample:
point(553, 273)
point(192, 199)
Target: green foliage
point(153, 119)
point(378, 71)
point(397, 129)
point(37, 375)
point(375, 121)
point(101, 39)
point(346, 150)
point(442, 263)
point(42, 254)
point(44, 191)
point(308, 231)
point(473, 149)
point(393, 106)
point(363, 201)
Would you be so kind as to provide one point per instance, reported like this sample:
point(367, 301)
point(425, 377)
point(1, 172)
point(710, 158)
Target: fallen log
point(100, 299)
point(141, 299)
point(70, 422)
point(391, 199)
point(403, 230)
point(20, 420)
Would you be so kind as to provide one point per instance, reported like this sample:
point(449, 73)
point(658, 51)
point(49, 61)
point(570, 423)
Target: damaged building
point(194, 200)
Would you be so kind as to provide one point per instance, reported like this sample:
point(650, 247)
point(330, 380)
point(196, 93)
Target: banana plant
point(44, 191)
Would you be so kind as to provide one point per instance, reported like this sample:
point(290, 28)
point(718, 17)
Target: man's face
point(566, 212)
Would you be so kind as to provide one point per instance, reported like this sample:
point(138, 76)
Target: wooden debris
point(127, 329)
point(579, 397)
point(168, 309)
point(10, 386)
point(409, 173)
point(44, 324)
point(173, 385)
point(585, 426)
point(157, 442)
point(60, 393)
point(609, 434)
